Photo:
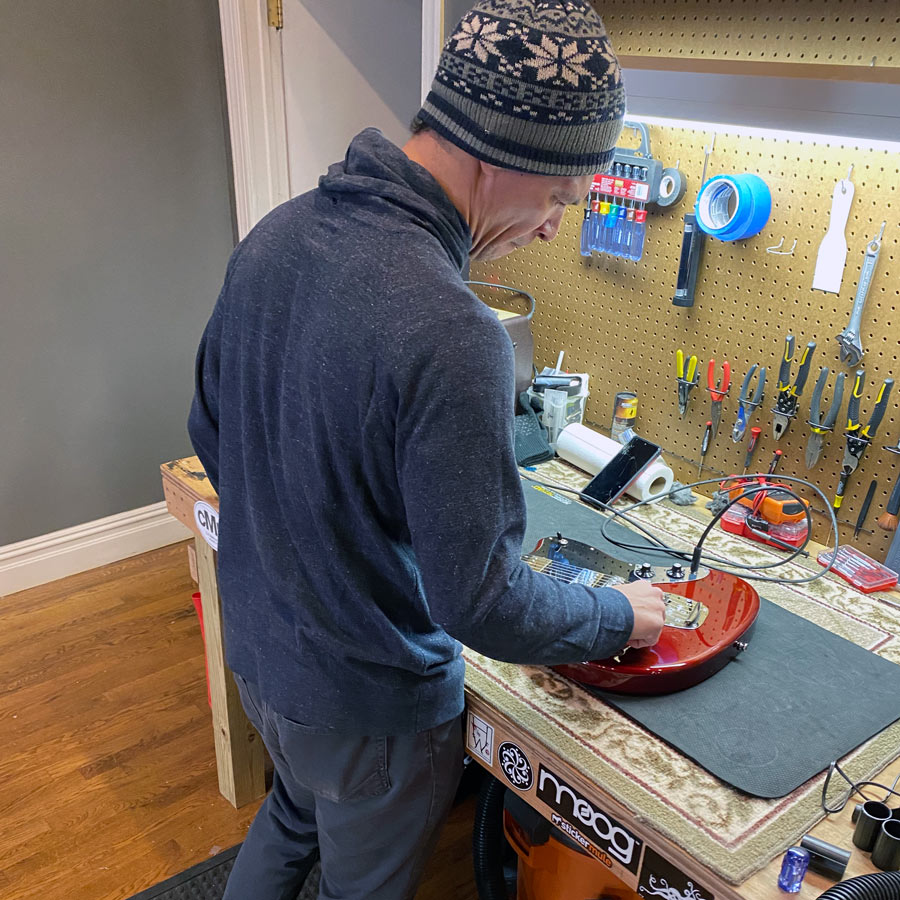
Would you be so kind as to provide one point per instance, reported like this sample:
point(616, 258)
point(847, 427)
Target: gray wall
point(115, 227)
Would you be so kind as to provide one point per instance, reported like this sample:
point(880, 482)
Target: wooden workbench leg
point(240, 755)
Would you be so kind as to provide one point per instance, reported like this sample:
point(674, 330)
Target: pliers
point(687, 379)
point(746, 406)
point(789, 395)
point(858, 438)
point(821, 427)
point(717, 391)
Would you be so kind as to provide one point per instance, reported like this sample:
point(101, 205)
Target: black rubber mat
point(206, 881)
point(796, 699)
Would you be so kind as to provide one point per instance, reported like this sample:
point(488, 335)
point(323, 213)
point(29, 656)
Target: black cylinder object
point(886, 852)
point(488, 841)
point(877, 886)
point(825, 858)
point(872, 814)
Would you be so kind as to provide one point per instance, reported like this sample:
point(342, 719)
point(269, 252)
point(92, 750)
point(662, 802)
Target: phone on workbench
point(624, 468)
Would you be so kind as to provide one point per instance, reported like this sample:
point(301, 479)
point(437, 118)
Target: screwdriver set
point(615, 218)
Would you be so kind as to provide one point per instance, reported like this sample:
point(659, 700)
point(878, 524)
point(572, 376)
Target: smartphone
point(614, 478)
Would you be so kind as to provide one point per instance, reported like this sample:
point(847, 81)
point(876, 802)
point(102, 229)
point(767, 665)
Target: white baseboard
point(98, 543)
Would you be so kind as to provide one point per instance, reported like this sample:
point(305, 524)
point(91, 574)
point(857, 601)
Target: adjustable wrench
point(851, 347)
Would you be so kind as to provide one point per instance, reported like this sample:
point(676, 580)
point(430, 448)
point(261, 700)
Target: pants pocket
point(338, 768)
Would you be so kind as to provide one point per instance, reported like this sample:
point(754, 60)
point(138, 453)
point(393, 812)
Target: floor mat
point(206, 881)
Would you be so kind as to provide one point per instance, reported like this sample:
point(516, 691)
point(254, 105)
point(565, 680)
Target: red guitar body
point(715, 613)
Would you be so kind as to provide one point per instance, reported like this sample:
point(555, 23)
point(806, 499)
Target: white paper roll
point(591, 451)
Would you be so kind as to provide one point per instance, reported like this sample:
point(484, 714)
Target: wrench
point(851, 347)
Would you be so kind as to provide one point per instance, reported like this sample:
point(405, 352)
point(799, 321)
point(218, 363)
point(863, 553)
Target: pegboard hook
point(778, 252)
point(849, 173)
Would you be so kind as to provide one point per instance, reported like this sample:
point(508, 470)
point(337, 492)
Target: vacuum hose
point(877, 886)
point(488, 841)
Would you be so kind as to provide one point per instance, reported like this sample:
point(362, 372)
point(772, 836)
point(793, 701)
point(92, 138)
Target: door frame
point(254, 86)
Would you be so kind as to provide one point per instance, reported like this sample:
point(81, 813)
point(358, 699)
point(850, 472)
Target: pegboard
point(615, 318)
point(825, 32)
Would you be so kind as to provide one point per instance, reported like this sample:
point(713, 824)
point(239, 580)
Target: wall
point(115, 231)
point(347, 66)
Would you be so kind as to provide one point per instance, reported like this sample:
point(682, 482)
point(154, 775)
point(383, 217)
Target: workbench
point(661, 823)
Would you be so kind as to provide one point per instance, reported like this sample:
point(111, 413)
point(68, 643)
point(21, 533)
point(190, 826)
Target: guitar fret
point(567, 572)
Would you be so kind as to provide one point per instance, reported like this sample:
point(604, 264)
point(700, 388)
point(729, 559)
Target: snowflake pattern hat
point(532, 85)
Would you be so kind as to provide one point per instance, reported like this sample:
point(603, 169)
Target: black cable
point(766, 566)
point(854, 788)
point(749, 493)
point(708, 557)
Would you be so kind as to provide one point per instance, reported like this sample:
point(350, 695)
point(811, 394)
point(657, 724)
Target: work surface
point(694, 828)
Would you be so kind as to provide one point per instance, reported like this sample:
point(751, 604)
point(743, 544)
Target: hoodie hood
point(375, 167)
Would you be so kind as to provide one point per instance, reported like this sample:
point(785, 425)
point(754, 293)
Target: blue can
point(793, 868)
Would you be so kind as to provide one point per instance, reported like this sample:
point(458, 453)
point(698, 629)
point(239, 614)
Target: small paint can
point(624, 414)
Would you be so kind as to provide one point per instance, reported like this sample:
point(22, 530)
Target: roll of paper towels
point(591, 451)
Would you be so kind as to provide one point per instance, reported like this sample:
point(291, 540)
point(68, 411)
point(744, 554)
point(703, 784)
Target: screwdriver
point(704, 447)
point(755, 432)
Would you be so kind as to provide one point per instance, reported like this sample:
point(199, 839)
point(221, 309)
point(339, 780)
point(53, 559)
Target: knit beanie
point(531, 85)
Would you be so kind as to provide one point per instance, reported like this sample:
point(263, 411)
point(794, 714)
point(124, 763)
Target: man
point(354, 410)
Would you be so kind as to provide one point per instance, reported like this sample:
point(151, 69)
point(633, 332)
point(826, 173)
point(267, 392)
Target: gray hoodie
point(353, 409)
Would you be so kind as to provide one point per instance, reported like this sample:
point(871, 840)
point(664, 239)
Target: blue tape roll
point(733, 207)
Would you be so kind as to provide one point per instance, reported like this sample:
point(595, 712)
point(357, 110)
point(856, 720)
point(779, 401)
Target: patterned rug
point(729, 832)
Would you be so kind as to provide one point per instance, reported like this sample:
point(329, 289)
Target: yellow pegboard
point(615, 318)
point(824, 32)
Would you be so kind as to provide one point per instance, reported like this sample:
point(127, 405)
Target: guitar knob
point(644, 570)
point(740, 646)
point(676, 572)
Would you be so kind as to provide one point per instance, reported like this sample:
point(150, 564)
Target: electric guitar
point(709, 619)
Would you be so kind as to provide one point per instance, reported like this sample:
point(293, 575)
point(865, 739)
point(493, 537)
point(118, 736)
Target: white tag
point(832, 254)
point(207, 519)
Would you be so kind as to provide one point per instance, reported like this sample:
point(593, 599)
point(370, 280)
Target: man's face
point(511, 209)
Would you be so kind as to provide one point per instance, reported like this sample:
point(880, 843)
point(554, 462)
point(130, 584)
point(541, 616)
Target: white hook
point(779, 252)
point(849, 173)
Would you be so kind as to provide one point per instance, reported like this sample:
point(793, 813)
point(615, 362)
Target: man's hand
point(649, 612)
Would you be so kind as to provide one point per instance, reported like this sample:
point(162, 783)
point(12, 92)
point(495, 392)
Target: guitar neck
point(562, 571)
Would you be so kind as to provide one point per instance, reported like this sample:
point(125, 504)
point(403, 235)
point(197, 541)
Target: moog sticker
point(594, 824)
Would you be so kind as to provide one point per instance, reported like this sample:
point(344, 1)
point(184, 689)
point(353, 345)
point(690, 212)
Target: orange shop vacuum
point(519, 855)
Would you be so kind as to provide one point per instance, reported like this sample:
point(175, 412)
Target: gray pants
point(369, 807)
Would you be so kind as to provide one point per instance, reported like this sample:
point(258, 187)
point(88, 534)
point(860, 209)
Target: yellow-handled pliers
point(687, 378)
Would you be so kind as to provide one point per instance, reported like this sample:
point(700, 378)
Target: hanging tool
point(821, 427)
point(755, 432)
point(865, 508)
point(851, 347)
point(688, 379)
point(788, 396)
point(704, 447)
point(746, 406)
point(859, 438)
point(833, 250)
point(693, 239)
point(888, 519)
point(717, 391)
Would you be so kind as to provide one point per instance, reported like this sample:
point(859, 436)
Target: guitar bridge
point(681, 612)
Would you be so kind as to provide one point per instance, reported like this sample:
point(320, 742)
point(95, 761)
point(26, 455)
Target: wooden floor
point(106, 756)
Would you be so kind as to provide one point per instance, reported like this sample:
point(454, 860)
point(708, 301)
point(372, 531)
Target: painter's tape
point(733, 207)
